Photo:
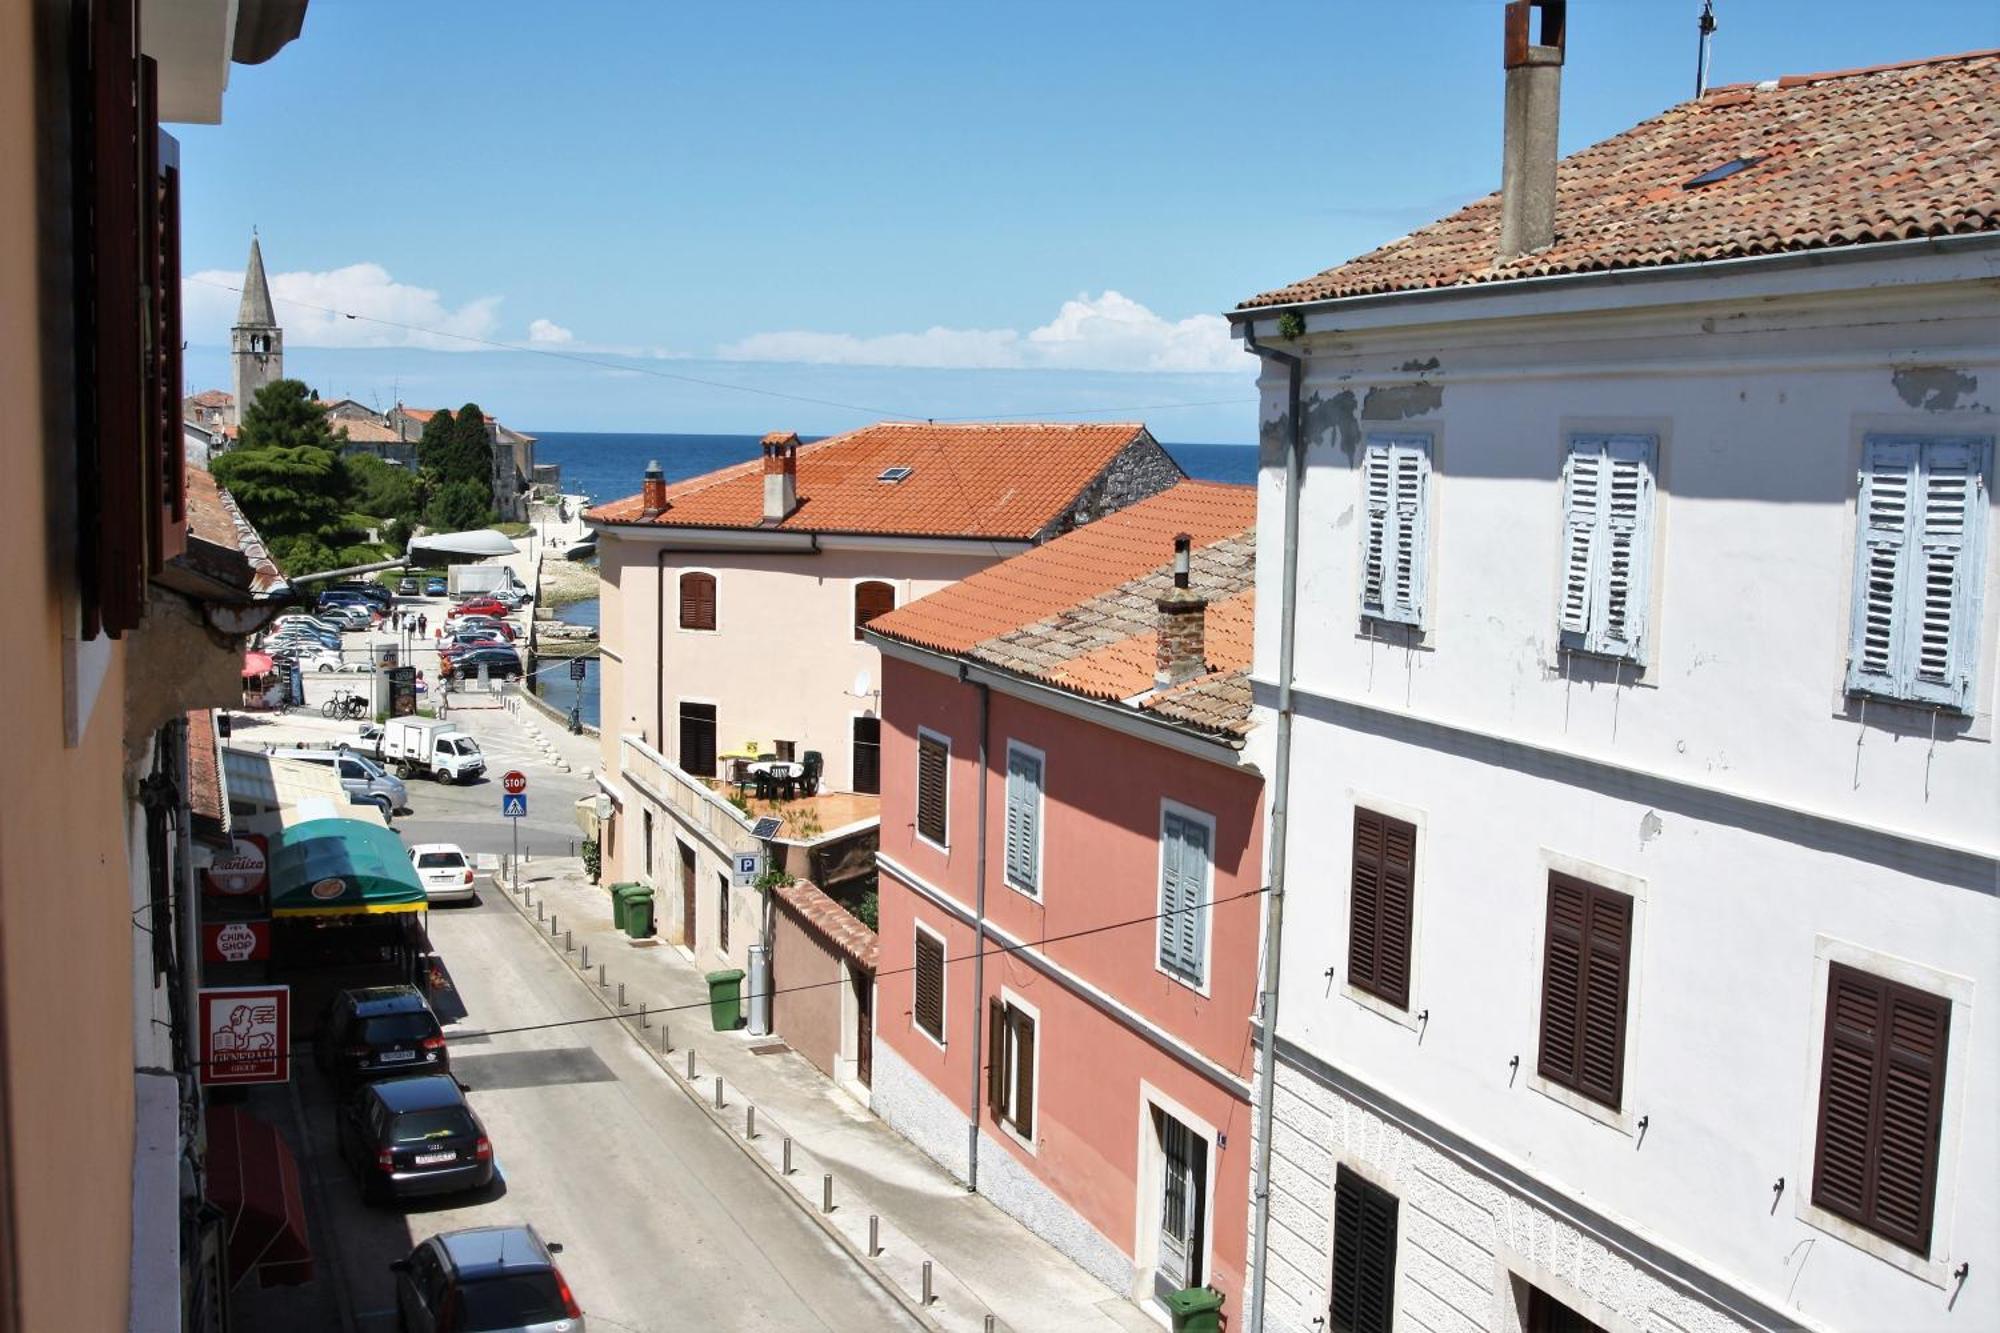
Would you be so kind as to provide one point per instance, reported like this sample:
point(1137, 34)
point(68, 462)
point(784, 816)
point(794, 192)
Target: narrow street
point(664, 1223)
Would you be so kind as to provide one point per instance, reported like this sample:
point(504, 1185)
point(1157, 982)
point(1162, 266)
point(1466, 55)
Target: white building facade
point(1645, 810)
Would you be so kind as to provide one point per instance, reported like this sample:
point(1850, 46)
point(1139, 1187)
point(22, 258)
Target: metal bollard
point(552, 925)
point(874, 1235)
point(991, 1323)
point(690, 1064)
point(750, 1121)
point(585, 963)
point(541, 913)
point(927, 1282)
point(826, 1193)
point(600, 976)
point(621, 995)
point(787, 1169)
point(569, 942)
point(664, 1047)
point(718, 1092)
point(644, 1022)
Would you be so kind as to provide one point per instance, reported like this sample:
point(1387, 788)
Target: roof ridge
point(1784, 81)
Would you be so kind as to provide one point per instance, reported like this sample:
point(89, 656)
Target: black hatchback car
point(405, 1137)
point(485, 1278)
point(377, 1033)
point(498, 659)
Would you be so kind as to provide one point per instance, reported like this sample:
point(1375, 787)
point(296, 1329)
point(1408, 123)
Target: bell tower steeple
point(256, 343)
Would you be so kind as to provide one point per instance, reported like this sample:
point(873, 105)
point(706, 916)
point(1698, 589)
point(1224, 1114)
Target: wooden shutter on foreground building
point(697, 601)
point(1381, 906)
point(1364, 1255)
point(932, 758)
point(929, 999)
point(1586, 957)
point(1881, 1105)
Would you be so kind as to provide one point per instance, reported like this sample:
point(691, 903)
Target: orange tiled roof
point(1856, 157)
point(1000, 480)
point(204, 773)
point(1079, 614)
point(214, 521)
point(834, 923)
point(212, 398)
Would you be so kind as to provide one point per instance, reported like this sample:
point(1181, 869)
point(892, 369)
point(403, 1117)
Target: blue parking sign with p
point(514, 807)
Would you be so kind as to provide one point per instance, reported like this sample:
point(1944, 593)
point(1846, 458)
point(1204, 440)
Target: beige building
point(129, 582)
point(731, 610)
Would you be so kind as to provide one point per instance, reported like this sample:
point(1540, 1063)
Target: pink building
point(1070, 896)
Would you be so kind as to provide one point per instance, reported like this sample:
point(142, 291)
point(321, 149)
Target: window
point(698, 601)
point(1585, 960)
point(786, 750)
point(1010, 1069)
point(1364, 1256)
point(1918, 561)
point(1184, 865)
point(1379, 913)
point(722, 914)
point(646, 818)
point(1607, 544)
point(927, 1005)
point(1024, 818)
point(1881, 1105)
point(868, 755)
point(933, 758)
point(698, 739)
point(871, 599)
point(1395, 481)
point(1546, 1314)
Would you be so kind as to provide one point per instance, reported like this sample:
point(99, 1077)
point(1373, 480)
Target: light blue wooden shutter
point(1024, 791)
point(1395, 481)
point(1184, 871)
point(1888, 488)
point(1607, 544)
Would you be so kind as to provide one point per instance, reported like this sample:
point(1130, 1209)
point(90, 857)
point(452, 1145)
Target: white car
point(325, 659)
point(310, 622)
point(446, 872)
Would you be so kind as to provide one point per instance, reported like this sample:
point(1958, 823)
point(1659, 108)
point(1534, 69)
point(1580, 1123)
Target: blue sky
point(917, 209)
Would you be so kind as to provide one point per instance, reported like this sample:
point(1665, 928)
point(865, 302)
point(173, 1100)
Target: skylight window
point(1721, 173)
point(894, 474)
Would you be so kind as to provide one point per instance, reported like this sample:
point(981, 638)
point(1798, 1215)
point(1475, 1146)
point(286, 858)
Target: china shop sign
point(246, 1034)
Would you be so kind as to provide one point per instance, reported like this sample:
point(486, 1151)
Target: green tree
point(459, 505)
point(381, 489)
point(289, 476)
point(471, 454)
point(284, 413)
point(434, 447)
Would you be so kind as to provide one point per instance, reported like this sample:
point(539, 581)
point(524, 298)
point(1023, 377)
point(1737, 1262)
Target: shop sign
point(246, 1034)
point(236, 941)
point(242, 870)
point(329, 888)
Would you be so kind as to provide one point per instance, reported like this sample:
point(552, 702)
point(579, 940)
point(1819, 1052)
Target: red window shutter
point(871, 599)
point(697, 601)
point(1881, 1107)
point(996, 1056)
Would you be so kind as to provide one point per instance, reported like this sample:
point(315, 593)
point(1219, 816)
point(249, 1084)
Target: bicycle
point(349, 706)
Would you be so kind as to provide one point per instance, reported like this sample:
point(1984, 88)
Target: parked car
point(457, 644)
point(364, 779)
point(481, 606)
point(489, 623)
point(446, 872)
point(485, 1278)
point(301, 620)
point(328, 659)
point(348, 615)
point(405, 1137)
point(406, 587)
point(374, 593)
point(432, 746)
point(498, 661)
point(379, 1031)
point(301, 639)
point(434, 587)
point(368, 739)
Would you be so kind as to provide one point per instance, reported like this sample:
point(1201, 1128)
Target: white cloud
point(313, 310)
point(547, 331)
point(1107, 332)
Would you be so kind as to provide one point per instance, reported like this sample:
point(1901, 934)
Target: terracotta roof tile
point(1005, 481)
point(832, 922)
point(214, 519)
point(204, 772)
point(1857, 157)
point(212, 398)
point(1079, 613)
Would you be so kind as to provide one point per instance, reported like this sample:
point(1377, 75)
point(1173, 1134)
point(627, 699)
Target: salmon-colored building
point(1070, 889)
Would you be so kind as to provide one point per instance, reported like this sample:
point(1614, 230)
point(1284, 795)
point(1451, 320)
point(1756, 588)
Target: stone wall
point(1140, 470)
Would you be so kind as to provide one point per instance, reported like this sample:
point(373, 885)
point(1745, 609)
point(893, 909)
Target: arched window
point(871, 599)
point(697, 601)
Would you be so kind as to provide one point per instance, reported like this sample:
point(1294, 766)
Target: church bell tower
point(257, 344)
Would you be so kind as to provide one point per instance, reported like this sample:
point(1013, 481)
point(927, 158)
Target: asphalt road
point(665, 1224)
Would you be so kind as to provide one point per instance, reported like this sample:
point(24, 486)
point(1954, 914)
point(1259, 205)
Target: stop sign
point(514, 782)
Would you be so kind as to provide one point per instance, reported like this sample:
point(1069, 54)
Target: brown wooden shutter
point(931, 769)
point(871, 599)
point(167, 443)
point(930, 985)
point(996, 1056)
point(1881, 1105)
point(1024, 1074)
point(1585, 963)
point(697, 601)
point(1364, 1255)
point(1378, 942)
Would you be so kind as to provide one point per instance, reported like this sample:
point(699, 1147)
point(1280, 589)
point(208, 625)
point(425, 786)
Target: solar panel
point(767, 827)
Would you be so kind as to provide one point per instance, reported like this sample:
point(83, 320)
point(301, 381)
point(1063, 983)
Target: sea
point(605, 466)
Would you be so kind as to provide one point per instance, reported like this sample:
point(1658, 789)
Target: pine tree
point(472, 454)
point(435, 445)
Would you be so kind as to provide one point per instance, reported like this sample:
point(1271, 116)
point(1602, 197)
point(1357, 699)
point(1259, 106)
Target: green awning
point(341, 867)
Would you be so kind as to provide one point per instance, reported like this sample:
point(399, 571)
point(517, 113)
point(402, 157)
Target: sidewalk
point(982, 1261)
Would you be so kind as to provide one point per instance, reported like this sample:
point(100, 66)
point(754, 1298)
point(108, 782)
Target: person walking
point(423, 622)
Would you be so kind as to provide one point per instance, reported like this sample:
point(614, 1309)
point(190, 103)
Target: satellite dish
point(860, 690)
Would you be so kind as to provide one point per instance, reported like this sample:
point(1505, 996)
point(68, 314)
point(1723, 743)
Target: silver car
point(495, 1279)
point(365, 780)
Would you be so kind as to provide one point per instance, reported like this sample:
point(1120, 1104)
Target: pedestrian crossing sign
point(514, 807)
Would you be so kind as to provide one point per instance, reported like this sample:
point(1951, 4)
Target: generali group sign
point(244, 871)
point(246, 1034)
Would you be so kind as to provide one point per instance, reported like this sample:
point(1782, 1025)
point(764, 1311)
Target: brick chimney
point(781, 475)
point(654, 492)
point(1528, 154)
point(1182, 653)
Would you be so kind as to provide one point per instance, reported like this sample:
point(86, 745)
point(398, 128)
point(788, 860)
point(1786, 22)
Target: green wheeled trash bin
point(639, 912)
point(725, 998)
point(618, 893)
point(1195, 1310)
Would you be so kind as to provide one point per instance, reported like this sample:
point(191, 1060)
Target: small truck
point(436, 748)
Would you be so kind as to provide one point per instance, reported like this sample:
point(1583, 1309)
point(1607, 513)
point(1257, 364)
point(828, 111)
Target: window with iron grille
point(1881, 1105)
point(1586, 959)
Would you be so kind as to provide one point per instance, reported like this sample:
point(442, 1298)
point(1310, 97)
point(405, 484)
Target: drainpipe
point(1281, 778)
point(659, 655)
point(978, 943)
